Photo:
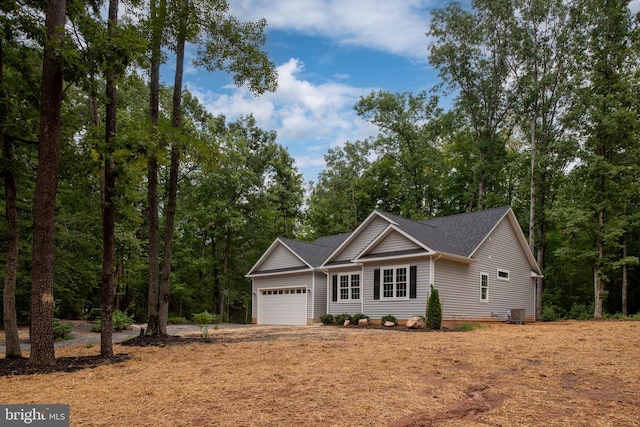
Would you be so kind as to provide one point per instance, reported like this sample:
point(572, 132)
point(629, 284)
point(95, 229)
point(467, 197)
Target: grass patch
point(470, 326)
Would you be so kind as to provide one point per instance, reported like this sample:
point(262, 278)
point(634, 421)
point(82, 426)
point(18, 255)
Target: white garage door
point(282, 306)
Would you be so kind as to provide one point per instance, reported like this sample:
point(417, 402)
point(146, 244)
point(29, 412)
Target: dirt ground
point(551, 374)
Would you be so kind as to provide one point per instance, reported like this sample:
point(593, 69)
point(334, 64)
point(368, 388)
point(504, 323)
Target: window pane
point(355, 286)
point(484, 286)
point(401, 290)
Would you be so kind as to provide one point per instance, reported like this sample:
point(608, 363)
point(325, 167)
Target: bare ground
point(551, 374)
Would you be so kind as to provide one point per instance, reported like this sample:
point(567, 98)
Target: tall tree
point(223, 43)
point(42, 338)
point(157, 18)
point(469, 49)
point(410, 135)
point(606, 115)
point(108, 207)
point(540, 59)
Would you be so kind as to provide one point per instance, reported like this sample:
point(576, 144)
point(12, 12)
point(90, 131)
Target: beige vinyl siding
point(282, 281)
point(365, 237)
point(402, 309)
point(281, 257)
point(459, 284)
point(394, 242)
point(319, 295)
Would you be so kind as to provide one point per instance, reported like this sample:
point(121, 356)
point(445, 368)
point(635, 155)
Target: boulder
point(415, 323)
point(346, 322)
point(363, 322)
point(389, 324)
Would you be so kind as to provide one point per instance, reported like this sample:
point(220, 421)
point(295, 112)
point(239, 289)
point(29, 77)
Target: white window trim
point(502, 270)
point(485, 300)
point(349, 274)
point(395, 288)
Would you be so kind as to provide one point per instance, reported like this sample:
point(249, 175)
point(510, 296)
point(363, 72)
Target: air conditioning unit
point(516, 315)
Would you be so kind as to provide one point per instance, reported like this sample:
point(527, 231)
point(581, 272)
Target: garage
point(282, 306)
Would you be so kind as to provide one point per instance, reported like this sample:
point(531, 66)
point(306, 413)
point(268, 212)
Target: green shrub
point(356, 317)
point(340, 318)
point(549, 314)
point(388, 318)
point(434, 310)
point(326, 319)
point(580, 312)
point(62, 331)
point(120, 321)
point(205, 318)
point(177, 320)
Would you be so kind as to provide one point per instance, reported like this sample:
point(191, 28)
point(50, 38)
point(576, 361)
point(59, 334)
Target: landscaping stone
point(389, 324)
point(363, 322)
point(415, 323)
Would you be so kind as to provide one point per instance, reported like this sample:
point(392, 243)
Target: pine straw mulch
point(558, 374)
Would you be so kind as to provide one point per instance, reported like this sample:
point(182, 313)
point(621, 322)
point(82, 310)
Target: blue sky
point(328, 53)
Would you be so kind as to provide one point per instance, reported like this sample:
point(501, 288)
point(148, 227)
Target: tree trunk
point(625, 283)
point(158, 11)
point(598, 284)
point(108, 208)
point(176, 121)
point(42, 337)
point(10, 317)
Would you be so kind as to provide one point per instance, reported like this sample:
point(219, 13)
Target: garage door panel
point(282, 306)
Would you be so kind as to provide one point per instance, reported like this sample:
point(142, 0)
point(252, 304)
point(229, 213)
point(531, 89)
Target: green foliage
point(62, 331)
point(327, 319)
point(580, 312)
point(205, 318)
point(356, 317)
point(388, 318)
point(470, 327)
point(121, 321)
point(549, 313)
point(175, 320)
point(434, 310)
point(340, 318)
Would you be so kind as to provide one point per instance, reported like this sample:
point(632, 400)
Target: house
point(480, 263)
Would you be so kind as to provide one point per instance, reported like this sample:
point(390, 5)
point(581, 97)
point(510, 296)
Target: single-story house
point(479, 262)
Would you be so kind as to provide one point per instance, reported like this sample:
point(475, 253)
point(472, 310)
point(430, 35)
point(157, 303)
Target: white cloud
point(309, 118)
point(396, 27)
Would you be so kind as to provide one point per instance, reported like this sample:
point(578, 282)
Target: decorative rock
point(363, 322)
point(389, 324)
point(346, 322)
point(415, 323)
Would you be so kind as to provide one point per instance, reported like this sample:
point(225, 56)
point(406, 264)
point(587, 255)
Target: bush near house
point(434, 310)
point(340, 318)
point(356, 317)
point(388, 318)
point(326, 319)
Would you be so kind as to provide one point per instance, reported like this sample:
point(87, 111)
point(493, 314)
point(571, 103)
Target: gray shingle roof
point(314, 253)
point(455, 234)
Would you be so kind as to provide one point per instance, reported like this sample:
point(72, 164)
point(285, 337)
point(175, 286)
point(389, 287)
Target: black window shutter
point(413, 286)
point(334, 294)
point(376, 283)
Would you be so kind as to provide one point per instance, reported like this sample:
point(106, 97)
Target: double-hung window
point(484, 287)
point(395, 283)
point(349, 287)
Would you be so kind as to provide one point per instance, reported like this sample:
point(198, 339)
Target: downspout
point(432, 273)
point(362, 289)
point(313, 295)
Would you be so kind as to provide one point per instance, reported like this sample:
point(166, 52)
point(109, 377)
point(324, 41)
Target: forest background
point(544, 119)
